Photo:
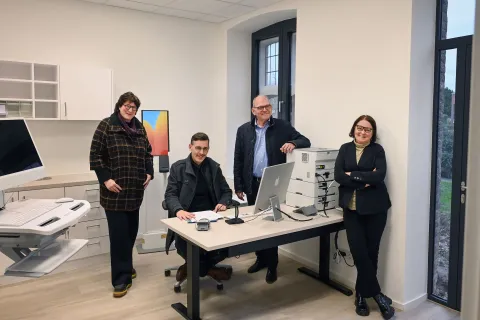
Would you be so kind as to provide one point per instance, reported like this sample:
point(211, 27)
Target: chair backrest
point(164, 205)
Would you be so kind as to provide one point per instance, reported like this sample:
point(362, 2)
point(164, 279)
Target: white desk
point(251, 236)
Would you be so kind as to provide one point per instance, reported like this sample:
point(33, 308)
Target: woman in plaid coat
point(120, 155)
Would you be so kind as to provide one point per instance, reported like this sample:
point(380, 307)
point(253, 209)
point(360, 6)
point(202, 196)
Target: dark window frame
point(284, 31)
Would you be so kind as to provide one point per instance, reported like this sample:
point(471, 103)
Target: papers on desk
point(210, 215)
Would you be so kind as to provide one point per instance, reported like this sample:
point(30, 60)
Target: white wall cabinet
point(48, 91)
point(52, 193)
point(85, 93)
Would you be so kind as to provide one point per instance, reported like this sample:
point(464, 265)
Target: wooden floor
point(81, 290)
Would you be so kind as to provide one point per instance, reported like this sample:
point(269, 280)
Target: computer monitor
point(20, 161)
point(273, 188)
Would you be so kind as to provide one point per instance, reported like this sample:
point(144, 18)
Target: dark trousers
point(123, 229)
point(364, 233)
point(208, 259)
point(268, 257)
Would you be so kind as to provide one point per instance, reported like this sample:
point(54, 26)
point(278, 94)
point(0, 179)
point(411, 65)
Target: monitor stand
point(277, 214)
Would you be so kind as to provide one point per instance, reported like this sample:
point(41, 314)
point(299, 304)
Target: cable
point(340, 253)
point(293, 217)
point(326, 192)
point(258, 214)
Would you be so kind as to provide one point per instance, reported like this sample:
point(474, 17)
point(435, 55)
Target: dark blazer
point(181, 185)
point(123, 157)
point(369, 200)
point(278, 133)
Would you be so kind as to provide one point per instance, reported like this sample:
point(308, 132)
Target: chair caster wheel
point(177, 289)
point(220, 287)
point(167, 273)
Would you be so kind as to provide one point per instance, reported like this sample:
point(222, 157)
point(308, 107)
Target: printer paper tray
point(45, 260)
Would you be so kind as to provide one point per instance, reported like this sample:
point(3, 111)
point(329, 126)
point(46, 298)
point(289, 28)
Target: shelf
point(47, 110)
point(15, 80)
point(45, 72)
point(15, 100)
point(15, 90)
point(15, 70)
point(46, 91)
point(47, 82)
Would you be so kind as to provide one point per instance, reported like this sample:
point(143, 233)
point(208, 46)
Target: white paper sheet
point(210, 215)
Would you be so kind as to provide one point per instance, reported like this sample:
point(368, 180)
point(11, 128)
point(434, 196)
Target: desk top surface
point(222, 235)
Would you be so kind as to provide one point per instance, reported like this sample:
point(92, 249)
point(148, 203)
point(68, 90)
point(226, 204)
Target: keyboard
point(18, 213)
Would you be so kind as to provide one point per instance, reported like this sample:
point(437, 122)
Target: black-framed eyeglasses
point(362, 128)
point(134, 108)
point(260, 108)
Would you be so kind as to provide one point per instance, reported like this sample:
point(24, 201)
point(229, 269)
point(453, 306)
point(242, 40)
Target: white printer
point(312, 181)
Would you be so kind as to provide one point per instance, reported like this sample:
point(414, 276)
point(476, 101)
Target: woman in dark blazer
point(360, 170)
point(121, 156)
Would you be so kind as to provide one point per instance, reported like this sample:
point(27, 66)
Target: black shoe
point(271, 276)
point(134, 273)
point(390, 302)
point(361, 306)
point(257, 266)
point(387, 310)
point(121, 290)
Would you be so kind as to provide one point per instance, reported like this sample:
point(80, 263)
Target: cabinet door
point(85, 93)
point(52, 193)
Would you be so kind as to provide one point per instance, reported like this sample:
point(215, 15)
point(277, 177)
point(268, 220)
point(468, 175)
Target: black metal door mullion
point(456, 177)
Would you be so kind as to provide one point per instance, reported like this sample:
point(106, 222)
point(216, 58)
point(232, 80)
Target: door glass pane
point(268, 71)
point(443, 197)
point(292, 78)
point(458, 18)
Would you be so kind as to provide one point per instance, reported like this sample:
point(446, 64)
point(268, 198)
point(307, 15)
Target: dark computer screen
point(17, 151)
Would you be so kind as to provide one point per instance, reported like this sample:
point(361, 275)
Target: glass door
point(450, 141)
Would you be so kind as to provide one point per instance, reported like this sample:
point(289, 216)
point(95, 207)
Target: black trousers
point(364, 233)
point(208, 259)
point(269, 256)
point(123, 229)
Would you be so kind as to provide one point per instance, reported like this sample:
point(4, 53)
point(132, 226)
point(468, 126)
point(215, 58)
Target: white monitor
point(275, 181)
point(20, 161)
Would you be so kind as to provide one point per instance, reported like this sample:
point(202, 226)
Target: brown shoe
point(182, 273)
point(220, 274)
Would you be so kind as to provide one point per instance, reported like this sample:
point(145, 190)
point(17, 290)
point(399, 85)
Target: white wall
point(168, 62)
point(471, 257)
point(365, 57)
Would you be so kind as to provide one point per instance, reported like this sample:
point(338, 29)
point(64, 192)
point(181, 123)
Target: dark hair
point(199, 136)
point(127, 96)
point(372, 122)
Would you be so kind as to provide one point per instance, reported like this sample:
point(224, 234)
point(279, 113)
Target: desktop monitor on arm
point(20, 161)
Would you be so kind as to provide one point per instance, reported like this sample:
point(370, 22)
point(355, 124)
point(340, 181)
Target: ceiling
point(214, 11)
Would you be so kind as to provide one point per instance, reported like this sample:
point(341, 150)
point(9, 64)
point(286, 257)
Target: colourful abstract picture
point(156, 125)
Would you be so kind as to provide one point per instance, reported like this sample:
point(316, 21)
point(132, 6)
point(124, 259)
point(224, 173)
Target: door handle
point(463, 187)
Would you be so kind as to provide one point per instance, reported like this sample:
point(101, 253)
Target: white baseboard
point(412, 304)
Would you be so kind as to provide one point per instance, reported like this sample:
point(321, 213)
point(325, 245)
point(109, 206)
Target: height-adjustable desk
point(252, 236)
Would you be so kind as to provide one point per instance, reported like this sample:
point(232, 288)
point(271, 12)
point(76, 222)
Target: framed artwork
point(157, 127)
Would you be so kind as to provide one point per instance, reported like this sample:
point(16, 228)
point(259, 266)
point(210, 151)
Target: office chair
point(177, 287)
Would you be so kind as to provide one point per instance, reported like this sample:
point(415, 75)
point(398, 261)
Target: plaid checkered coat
point(125, 158)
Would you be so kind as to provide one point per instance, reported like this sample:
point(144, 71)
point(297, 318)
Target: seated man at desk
point(197, 184)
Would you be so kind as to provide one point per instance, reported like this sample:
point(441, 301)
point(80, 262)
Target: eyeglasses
point(205, 149)
point(260, 108)
point(134, 108)
point(361, 128)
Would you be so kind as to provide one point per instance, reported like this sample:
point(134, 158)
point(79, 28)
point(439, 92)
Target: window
point(273, 67)
point(457, 18)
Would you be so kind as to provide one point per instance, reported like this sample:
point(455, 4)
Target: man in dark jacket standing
point(260, 143)
point(197, 184)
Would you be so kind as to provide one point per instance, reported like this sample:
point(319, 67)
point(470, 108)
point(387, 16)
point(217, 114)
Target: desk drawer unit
point(96, 213)
point(90, 193)
point(89, 229)
point(94, 247)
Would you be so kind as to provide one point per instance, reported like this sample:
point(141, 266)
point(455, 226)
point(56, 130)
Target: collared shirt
point(260, 158)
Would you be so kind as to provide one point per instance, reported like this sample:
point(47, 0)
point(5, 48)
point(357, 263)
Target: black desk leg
point(323, 274)
point(192, 311)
